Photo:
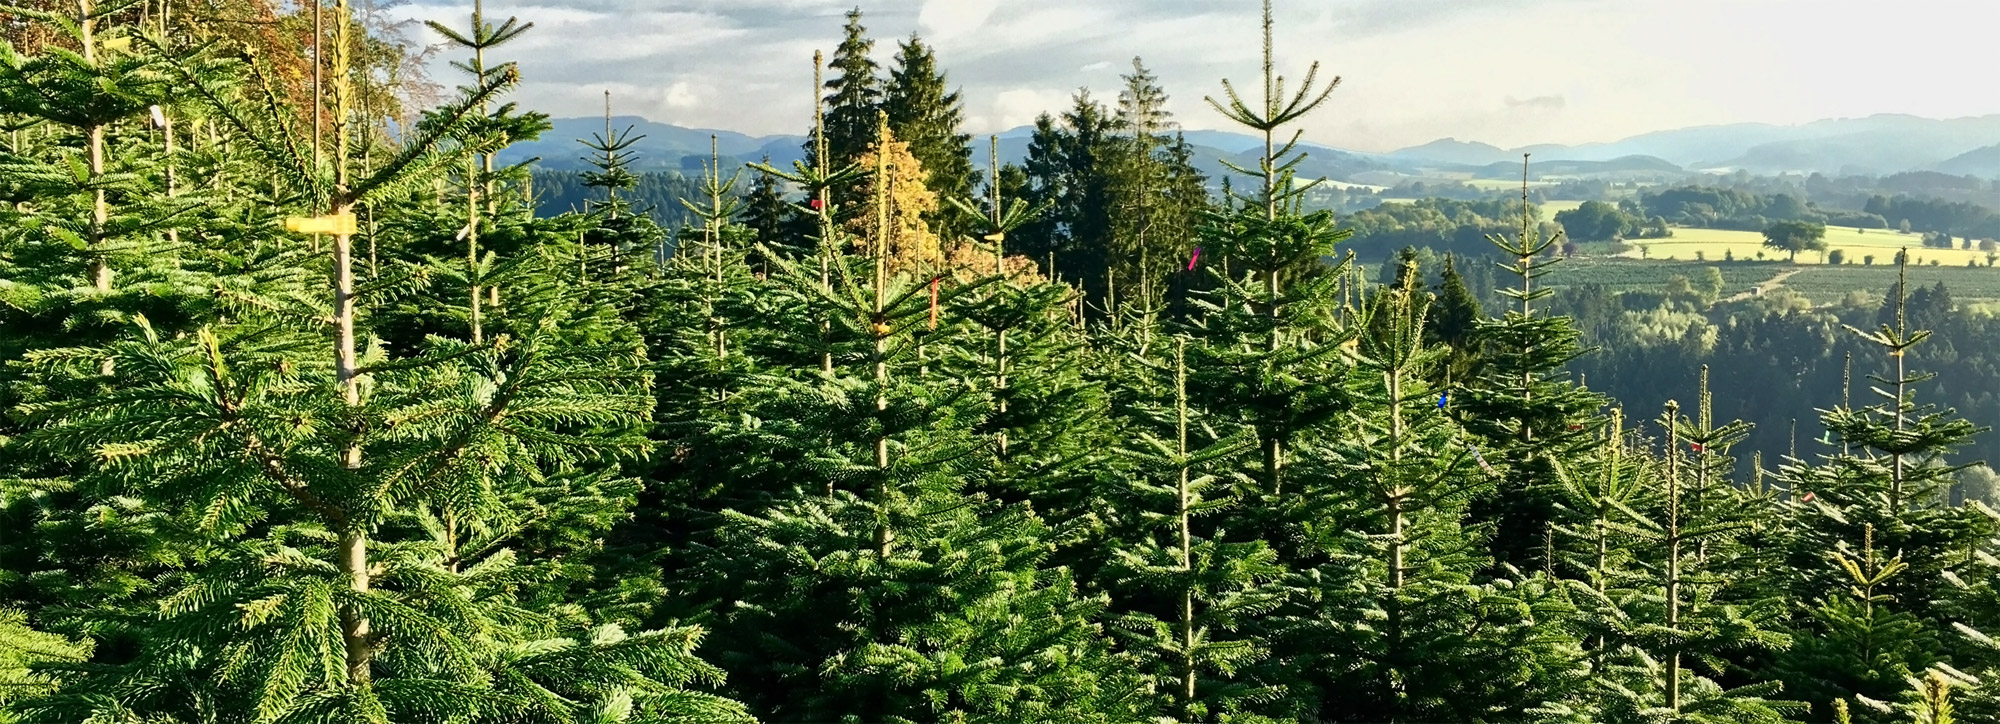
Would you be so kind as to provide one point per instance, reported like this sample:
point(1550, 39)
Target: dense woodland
point(310, 416)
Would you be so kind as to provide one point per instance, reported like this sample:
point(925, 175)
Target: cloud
point(1553, 103)
point(947, 20)
point(680, 96)
point(1507, 72)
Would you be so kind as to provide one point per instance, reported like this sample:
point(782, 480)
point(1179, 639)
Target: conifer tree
point(1267, 325)
point(1145, 242)
point(1888, 487)
point(775, 220)
point(852, 100)
point(879, 568)
point(924, 113)
point(626, 234)
point(1190, 590)
point(21, 650)
point(1453, 321)
point(496, 130)
point(89, 215)
point(1404, 605)
point(1522, 401)
point(311, 482)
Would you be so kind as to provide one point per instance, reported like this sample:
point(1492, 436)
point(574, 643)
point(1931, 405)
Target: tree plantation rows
point(309, 417)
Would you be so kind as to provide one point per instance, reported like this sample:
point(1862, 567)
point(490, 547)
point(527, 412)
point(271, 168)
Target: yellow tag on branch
point(335, 224)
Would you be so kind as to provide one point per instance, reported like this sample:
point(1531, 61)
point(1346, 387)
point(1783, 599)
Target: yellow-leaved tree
point(901, 183)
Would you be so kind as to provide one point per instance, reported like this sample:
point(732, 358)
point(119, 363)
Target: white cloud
point(1414, 70)
point(946, 20)
point(680, 96)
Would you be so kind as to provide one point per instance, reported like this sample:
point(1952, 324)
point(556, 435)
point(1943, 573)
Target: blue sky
point(1508, 72)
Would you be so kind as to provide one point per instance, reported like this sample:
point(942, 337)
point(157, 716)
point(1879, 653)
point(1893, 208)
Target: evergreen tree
point(1143, 248)
point(317, 489)
point(924, 114)
point(1453, 321)
point(21, 650)
point(774, 220)
point(1190, 591)
point(1888, 488)
point(1426, 640)
point(1522, 402)
point(852, 100)
point(879, 568)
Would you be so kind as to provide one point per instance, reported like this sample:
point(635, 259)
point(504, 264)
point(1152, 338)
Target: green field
point(1622, 275)
point(1495, 184)
point(1551, 208)
point(1714, 244)
point(1818, 283)
point(1827, 285)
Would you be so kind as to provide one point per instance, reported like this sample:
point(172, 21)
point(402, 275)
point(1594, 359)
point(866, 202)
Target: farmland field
point(1818, 283)
point(1551, 208)
point(1826, 285)
point(1495, 184)
point(1619, 275)
point(1714, 244)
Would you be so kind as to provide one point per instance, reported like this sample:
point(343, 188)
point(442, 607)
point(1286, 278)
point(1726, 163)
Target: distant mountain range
point(1877, 145)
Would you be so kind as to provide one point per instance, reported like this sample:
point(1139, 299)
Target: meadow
point(1617, 274)
point(1856, 244)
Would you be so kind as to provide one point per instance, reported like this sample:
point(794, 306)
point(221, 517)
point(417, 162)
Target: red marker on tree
point(816, 204)
point(934, 300)
point(1195, 258)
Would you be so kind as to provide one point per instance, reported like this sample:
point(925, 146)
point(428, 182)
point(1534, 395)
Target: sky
point(1505, 72)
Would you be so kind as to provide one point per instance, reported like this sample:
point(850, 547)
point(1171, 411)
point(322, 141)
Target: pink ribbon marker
point(1197, 257)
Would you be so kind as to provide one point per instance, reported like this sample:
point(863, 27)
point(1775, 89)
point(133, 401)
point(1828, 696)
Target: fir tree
point(1404, 604)
point(1453, 321)
point(1522, 402)
point(314, 482)
point(774, 220)
point(1193, 591)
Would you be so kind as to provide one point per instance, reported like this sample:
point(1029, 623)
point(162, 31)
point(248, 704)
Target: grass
point(1974, 288)
point(1495, 184)
point(1828, 285)
point(1551, 208)
point(1715, 244)
point(1620, 274)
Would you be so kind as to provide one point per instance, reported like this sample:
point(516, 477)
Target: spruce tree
point(924, 113)
point(852, 100)
point(776, 222)
point(1453, 321)
point(1145, 242)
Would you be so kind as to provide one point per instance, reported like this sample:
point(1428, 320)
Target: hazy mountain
point(1456, 152)
point(1651, 168)
point(1880, 144)
point(1983, 162)
point(665, 147)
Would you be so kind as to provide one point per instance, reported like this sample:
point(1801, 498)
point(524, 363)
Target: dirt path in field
point(1766, 287)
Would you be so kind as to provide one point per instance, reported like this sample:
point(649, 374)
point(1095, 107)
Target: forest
point(312, 411)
